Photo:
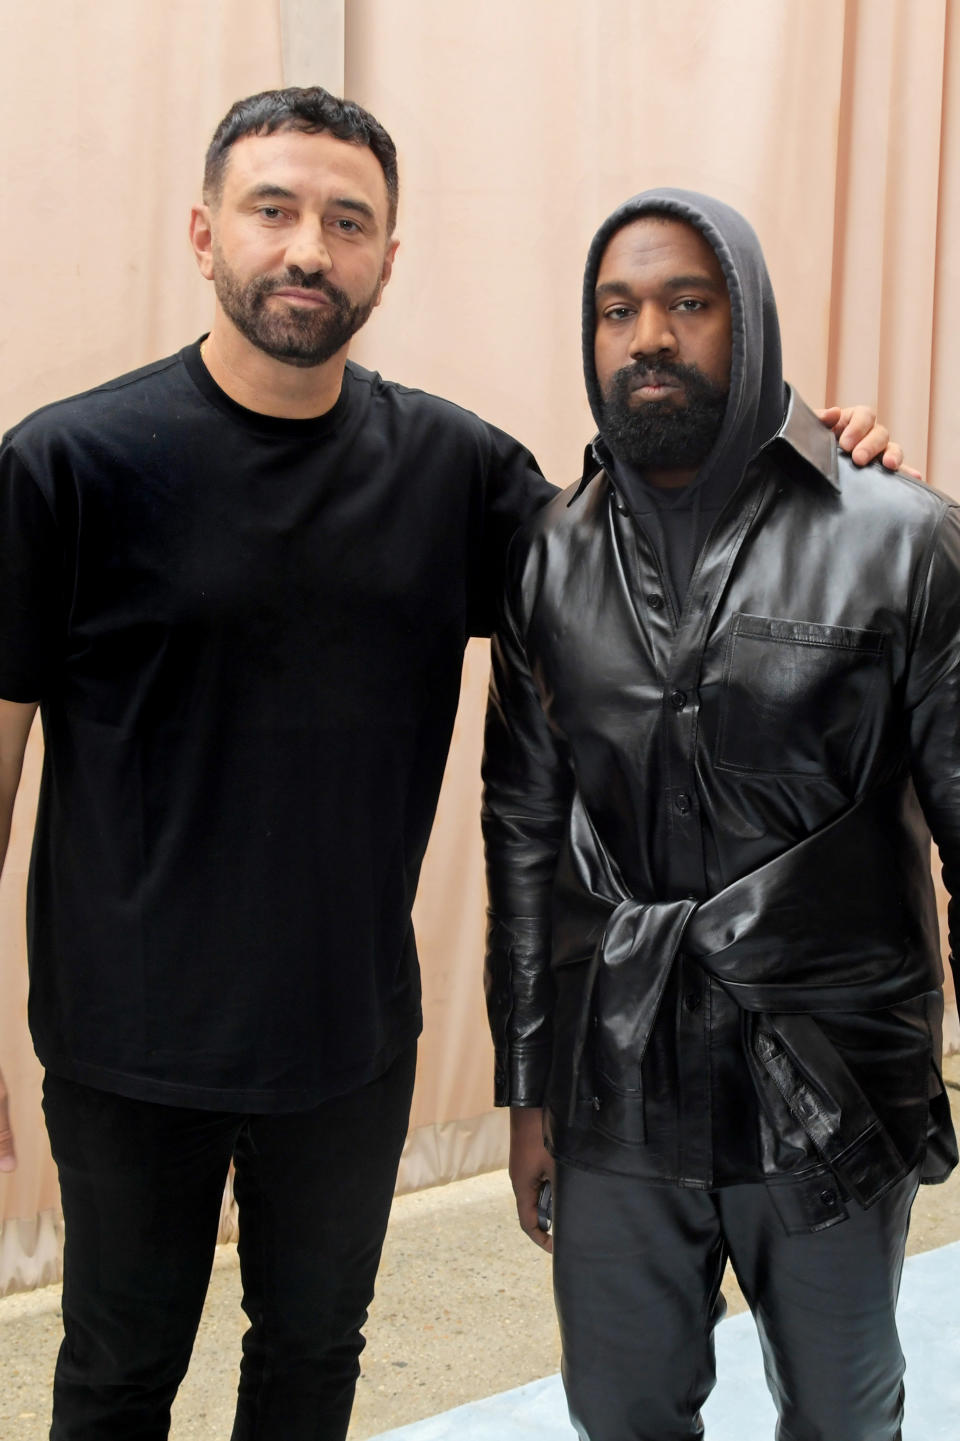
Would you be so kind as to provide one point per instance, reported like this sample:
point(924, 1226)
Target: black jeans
point(141, 1186)
point(637, 1271)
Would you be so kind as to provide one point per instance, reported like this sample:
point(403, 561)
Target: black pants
point(637, 1271)
point(141, 1187)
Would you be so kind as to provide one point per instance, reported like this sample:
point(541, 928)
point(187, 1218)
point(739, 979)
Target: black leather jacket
point(713, 948)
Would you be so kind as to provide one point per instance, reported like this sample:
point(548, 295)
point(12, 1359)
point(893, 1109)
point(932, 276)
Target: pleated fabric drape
point(833, 124)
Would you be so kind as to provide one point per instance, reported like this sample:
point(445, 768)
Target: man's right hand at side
point(8, 1156)
point(530, 1165)
point(16, 718)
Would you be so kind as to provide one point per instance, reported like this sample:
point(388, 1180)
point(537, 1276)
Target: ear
point(387, 270)
point(201, 238)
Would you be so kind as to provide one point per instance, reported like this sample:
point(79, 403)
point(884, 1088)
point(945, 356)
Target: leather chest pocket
point(794, 695)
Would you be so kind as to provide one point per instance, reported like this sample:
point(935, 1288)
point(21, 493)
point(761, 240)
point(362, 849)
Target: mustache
point(641, 372)
point(302, 280)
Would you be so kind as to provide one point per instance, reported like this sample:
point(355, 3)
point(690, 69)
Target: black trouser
point(637, 1271)
point(142, 1185)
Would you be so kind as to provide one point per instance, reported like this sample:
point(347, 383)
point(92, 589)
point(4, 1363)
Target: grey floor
point(740, 1406)
point(463, 1312)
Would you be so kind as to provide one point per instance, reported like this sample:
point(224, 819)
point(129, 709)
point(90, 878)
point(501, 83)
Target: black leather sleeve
point(526, 801)
point(933, 701)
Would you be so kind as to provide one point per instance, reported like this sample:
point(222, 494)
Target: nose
point(652, 333)
point(307, 248)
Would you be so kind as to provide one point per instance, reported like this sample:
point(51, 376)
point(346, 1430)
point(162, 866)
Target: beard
point(658, 434)
point(297, 337)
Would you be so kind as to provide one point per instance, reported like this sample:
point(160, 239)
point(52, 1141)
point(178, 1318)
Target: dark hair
point(314, 111)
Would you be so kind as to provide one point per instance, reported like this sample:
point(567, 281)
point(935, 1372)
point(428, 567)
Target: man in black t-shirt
point(238, 583)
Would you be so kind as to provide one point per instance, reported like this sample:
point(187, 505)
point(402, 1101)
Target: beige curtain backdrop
point(520, 123)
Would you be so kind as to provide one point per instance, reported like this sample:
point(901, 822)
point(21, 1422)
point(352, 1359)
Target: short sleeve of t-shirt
point(515, 490)
point(31, 578)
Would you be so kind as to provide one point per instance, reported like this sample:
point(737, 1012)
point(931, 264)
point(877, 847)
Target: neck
point(259, 382)
point(669, 479)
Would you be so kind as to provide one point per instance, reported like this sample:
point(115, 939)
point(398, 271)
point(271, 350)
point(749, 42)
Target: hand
point(530, 1165)
point(858, 433)
point(8, 1157)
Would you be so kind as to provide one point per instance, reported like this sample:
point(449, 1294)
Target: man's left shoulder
point(889, 495)
point(454, 444)
point(424, 408)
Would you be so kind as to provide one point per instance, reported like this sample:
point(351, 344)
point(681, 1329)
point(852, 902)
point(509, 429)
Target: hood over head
point(756, 403)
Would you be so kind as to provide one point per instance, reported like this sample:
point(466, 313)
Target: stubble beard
point(658, 434)
point(301, 336)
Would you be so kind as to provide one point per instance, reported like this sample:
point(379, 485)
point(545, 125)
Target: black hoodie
point(680, 520)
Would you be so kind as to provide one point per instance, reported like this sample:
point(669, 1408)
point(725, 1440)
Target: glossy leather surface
point(639, 763)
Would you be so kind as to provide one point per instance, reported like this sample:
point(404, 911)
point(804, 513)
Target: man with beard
point(239, 582)
point(724, 699)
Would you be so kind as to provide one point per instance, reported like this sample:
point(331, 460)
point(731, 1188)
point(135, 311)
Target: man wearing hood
point(723, 707)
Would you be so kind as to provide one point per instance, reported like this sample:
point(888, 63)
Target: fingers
point(832, 417)
point(893, 460)
point(527, 1216)
point(8, 1156)
point(891, 454)
point(530, 1165)
point(860, 434)
point(527, 1195)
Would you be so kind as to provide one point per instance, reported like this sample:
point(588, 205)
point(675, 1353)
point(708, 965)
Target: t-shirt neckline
point(275, 425)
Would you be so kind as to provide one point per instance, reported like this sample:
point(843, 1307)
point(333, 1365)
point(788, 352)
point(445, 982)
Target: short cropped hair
point(309, 109)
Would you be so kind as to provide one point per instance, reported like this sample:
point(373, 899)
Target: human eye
point(617, 312)
point(270, 213)
point(689, 305)
point(347, 226)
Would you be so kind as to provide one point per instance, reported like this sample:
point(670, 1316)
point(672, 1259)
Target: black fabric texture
point(314, 1206)
point(246, 635)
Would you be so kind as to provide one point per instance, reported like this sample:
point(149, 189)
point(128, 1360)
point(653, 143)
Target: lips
point(653, 385)
point(303, 297)
point(655, 380)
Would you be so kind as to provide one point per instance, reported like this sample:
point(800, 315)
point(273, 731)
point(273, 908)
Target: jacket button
point(683, 803)
point(678, 699)
point(829, 1199)
point(654, 601)
point(596, 1103)
point(692, 1000)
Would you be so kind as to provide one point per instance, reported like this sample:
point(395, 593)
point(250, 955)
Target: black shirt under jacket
point(640, 762)
point(246, 635)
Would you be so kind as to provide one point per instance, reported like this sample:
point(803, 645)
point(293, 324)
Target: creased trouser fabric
point(637, 1272)
point(141, 1188)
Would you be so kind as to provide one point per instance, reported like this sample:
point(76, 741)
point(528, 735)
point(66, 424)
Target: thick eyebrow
point(359, 207)
point(676, 282)
point(266, 191)
point(269, 191)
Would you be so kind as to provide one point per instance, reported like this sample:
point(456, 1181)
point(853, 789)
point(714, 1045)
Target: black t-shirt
point(246, 635)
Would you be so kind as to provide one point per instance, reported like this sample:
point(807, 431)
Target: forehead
point(654, 250)
point(311, 166)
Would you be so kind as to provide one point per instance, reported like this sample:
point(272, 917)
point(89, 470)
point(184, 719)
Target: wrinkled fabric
point(637, 1271)
point(713, 950)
